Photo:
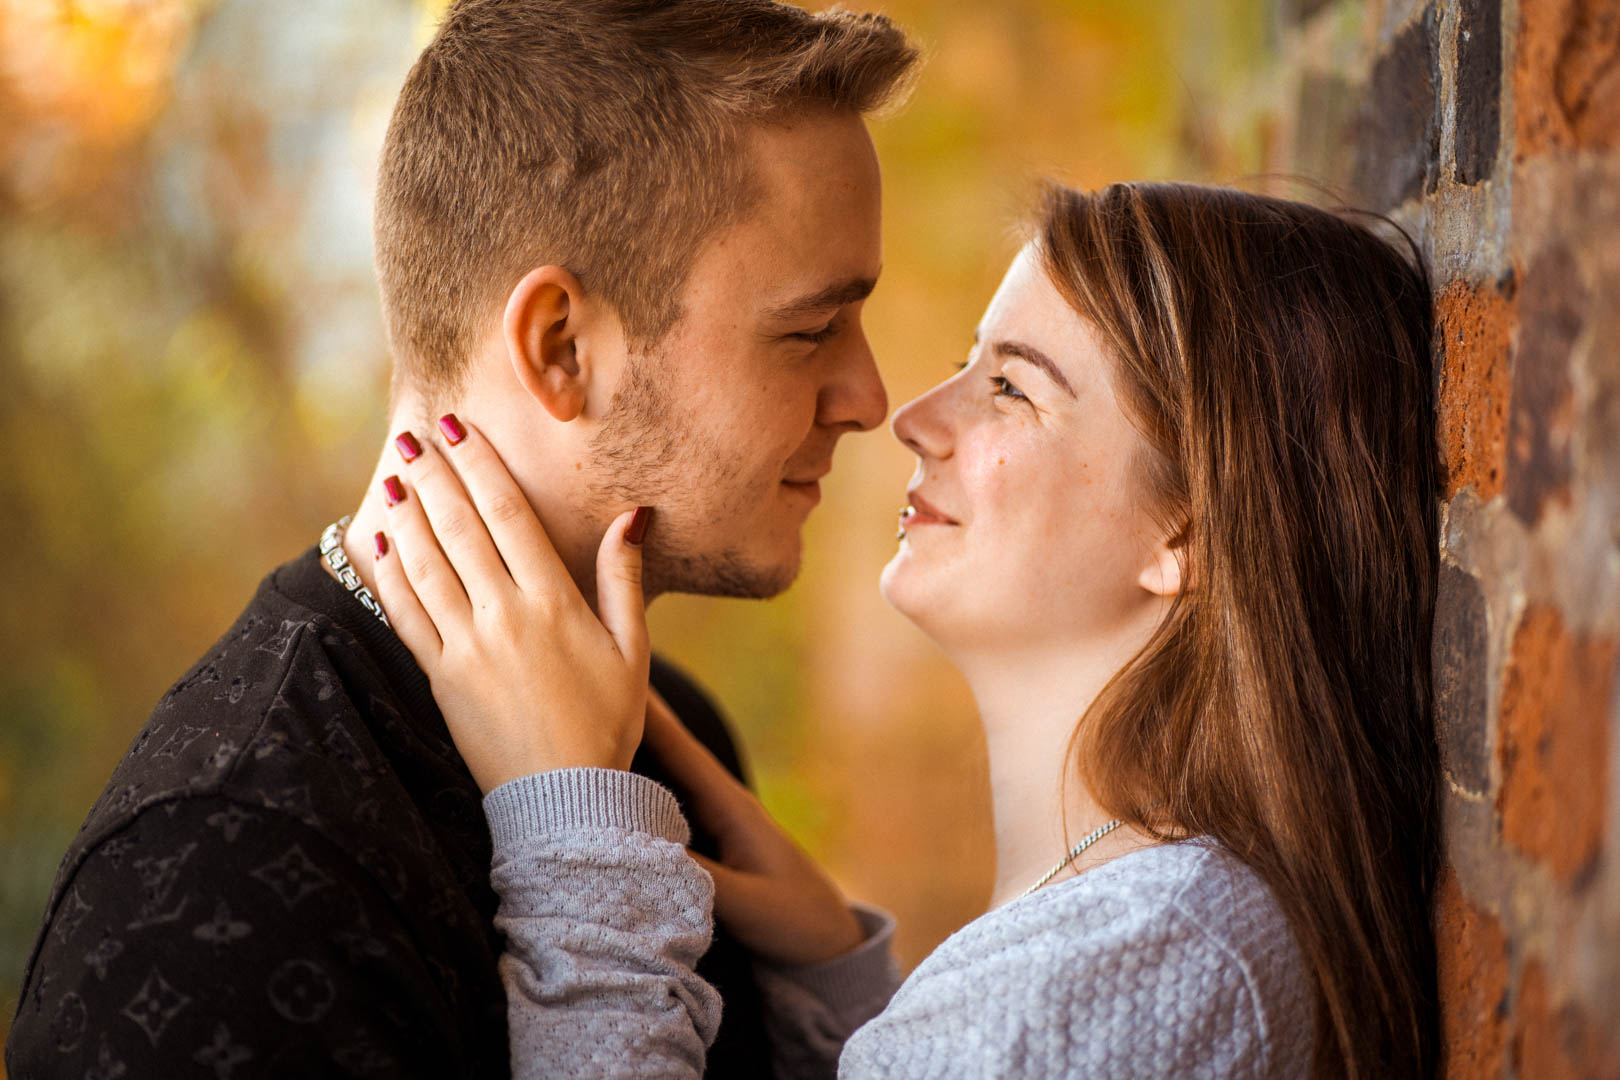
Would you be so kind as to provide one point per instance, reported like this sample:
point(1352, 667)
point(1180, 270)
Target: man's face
point(727, 424)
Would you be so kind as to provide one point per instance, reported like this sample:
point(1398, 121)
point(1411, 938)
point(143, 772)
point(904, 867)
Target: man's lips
point(804, 476)
point(809, 486)
point(923, 512)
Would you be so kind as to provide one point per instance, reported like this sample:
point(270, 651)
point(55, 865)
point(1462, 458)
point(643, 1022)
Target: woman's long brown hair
point(1276, 359)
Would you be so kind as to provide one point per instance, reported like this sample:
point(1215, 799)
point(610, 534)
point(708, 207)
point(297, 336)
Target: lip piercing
point(905, 515)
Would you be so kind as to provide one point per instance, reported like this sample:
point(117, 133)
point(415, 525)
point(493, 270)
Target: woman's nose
point(922, 424)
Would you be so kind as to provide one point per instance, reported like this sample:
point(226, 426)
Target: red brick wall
point(1492, 128)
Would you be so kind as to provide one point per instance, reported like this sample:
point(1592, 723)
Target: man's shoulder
point(278, 715)
point(281, 770)
point(274, 671)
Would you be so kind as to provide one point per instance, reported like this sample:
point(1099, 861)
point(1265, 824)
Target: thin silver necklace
point(1074, 853)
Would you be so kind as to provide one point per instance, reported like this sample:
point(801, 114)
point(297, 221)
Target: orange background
point(194, 379)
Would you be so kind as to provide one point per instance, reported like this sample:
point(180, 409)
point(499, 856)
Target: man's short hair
point(598, 135)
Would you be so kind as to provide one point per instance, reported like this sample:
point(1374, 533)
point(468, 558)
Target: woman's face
point(1026, 527)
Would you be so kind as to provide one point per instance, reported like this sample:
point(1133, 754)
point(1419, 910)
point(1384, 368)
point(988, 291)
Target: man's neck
point(358, 539)
point(371, 517)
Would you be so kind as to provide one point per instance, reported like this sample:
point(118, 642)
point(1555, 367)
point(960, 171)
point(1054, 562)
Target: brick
point(1566, 80)
point(1541, 416)
point(1557, 1042)
point(1554, 743)
point(1473, 327)
point(1397, 138)
point(1472, 967)
point(1460, 648)
point(1479, 89)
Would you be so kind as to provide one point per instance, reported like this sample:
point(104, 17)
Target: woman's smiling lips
point(922, 512)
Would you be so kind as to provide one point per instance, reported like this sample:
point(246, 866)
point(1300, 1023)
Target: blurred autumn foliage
point(194, 378)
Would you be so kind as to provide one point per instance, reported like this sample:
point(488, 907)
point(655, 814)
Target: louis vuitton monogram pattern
point(287, 875)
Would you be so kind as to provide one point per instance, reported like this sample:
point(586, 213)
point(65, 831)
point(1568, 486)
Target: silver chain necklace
point(332, 552)
point(1074, 853)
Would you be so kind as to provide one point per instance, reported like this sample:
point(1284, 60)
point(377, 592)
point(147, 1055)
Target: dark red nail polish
point(381, 542)
point(394, 490)
point(453, 431)
point(638, 525)
point(408, 447)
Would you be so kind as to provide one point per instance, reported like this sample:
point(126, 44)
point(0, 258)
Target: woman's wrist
point(855, 985)
point(575, 799)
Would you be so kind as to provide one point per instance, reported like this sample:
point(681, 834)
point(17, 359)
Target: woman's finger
point(406, 614)
point(435, 582)
point(513, 526)
point(456, 522)
point(619, 599)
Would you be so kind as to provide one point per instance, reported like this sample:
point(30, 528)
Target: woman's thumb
point(618, 582)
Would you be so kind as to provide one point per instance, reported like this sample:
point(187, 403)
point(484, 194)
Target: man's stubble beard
point(649, 453)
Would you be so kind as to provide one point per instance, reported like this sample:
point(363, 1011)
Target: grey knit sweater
point(1170, 961)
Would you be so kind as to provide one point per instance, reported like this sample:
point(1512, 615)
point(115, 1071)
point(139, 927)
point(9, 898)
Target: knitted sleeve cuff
point(568, 800)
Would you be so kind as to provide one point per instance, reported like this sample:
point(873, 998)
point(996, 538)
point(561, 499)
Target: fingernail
point(408, 447)
point(394, 490)
point(453, 431)
point(638, 525)
point(381, 543)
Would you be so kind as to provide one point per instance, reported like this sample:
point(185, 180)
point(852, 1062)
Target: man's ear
point(1164, 573)
point(541, 329)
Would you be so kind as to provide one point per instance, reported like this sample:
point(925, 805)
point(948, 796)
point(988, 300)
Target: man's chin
point(727, 573)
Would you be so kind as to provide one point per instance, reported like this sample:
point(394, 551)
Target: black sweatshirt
point(288, 874)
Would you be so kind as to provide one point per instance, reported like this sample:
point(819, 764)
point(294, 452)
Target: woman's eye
point(1004, 388)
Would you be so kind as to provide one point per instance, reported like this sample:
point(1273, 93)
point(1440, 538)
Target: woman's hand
point(768, 893)
point(528, 677)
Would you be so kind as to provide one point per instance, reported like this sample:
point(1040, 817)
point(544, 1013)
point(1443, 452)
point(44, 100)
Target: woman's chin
point(903, 587)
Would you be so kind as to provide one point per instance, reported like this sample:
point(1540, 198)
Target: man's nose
point(854, 397)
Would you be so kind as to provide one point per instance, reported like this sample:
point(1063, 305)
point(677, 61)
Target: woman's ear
point(1163, 574)
point(541, 328)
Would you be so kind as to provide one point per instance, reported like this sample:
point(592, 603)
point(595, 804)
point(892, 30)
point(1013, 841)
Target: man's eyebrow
point(1029, 353)
point(833, 296)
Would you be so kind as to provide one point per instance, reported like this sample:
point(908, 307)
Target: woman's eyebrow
point(1030, 354)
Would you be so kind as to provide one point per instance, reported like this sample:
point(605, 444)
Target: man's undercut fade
point(603, 136)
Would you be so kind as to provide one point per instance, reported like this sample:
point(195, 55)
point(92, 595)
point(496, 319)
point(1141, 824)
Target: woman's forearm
point(605, 918)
